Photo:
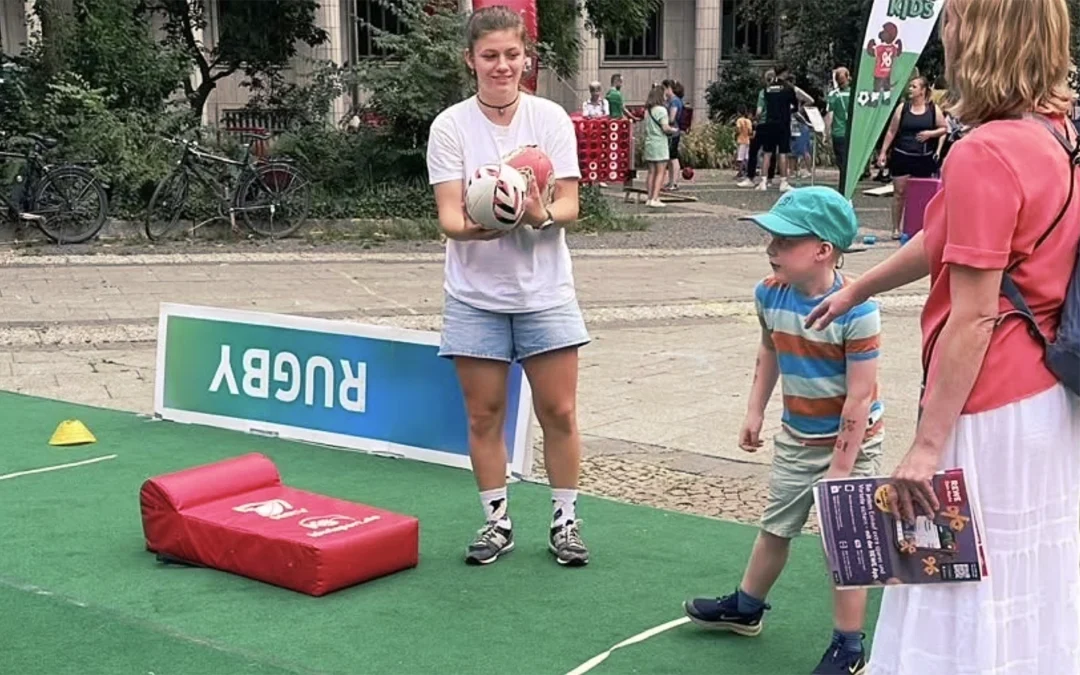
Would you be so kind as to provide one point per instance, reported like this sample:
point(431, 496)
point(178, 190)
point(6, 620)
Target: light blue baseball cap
point(815, 210)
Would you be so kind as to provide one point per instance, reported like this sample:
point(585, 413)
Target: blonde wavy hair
point(1008, 57)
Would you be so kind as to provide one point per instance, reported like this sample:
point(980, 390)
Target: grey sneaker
point(491, 542)
point(565, 542)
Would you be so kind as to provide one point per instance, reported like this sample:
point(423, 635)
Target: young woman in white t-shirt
point(509, 296)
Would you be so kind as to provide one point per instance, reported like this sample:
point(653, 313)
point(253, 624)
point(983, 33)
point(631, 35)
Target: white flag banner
point(896, 34)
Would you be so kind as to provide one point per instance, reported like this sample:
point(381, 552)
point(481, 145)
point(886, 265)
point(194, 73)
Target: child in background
point(744, 131)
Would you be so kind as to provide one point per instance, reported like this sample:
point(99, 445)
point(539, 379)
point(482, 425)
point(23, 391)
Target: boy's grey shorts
point(796, 469)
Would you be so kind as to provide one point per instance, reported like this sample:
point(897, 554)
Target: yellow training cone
point(72, 432)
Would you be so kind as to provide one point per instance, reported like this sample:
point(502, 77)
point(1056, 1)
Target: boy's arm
point(862, 341)
point(766, 373)
point(861, 381)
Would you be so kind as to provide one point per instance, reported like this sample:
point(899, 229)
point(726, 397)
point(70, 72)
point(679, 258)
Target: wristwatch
point(548, 222)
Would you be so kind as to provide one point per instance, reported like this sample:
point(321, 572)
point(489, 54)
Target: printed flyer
point(866, 546)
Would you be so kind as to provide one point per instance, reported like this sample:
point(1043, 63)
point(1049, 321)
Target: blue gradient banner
point(320, 379)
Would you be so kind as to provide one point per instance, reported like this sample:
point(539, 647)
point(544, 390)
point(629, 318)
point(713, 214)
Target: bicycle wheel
point(73, 203)
point(274, 200)
point(166, 204)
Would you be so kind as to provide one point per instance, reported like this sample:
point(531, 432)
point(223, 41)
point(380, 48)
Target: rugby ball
point(495, 197)
point(534, 165)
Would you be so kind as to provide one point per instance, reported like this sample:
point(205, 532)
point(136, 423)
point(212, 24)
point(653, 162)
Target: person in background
point(782, 97)
point(838, 104)
point(744, 130)
point(616, 102)
point(673, 92)
point(802, 139)
point(940, 91)
point(915, 135)
point(657, 152)
point(596, 105)
point(755, 140)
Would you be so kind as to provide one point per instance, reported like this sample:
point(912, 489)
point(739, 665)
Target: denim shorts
point(478, 333)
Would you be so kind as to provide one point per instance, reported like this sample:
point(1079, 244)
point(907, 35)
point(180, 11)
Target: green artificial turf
point(81, 594)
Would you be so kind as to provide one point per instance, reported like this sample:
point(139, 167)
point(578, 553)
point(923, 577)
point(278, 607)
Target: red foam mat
point(237, 517)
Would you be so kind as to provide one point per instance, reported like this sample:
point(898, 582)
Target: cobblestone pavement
point(663, 384)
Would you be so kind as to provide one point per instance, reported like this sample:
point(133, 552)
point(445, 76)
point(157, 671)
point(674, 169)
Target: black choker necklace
point(500, 108)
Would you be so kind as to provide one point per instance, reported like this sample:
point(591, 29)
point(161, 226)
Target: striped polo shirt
point(813, 363)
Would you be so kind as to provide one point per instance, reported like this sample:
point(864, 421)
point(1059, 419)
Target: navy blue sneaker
point(723, 614)
point(836, 661)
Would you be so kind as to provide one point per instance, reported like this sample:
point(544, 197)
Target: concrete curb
point(118, 229)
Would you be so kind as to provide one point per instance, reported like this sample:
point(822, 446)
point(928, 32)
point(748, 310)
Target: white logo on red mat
point(274, 509)
point(324, 525)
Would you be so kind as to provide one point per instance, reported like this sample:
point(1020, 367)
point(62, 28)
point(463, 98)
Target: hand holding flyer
point(866, 545)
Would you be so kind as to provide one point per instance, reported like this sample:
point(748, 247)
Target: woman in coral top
point(990, 404)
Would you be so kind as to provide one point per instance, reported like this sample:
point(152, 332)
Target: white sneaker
point(762, 186)
point(746, 183)
point(656, 204)
point(785, 186)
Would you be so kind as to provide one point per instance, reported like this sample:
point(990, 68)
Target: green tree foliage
point(426, 73)
point(815, 37)
point(735, 88)
point(560, 45)
point(253, 38)
point(112, 47)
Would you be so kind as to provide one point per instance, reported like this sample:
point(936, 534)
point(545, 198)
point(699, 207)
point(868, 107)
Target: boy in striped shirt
point(831, 423)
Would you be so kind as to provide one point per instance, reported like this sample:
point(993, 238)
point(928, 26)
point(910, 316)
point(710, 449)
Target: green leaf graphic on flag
point(896, 34)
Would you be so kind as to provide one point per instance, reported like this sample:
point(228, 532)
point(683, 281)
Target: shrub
point(708, 146)
point(597, 214)
point(736, 87)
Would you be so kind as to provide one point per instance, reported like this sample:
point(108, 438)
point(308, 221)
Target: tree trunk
point(197, 97)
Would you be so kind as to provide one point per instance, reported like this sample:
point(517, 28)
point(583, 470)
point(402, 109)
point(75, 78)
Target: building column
point(465, 6)
point(706, 54)
point(331, 17)
point(32, 24)
point(588, 63)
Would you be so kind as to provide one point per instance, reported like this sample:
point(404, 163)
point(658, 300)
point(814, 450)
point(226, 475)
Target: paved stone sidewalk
point(663, 385)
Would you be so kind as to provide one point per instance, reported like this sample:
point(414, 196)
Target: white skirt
point(1022, 464)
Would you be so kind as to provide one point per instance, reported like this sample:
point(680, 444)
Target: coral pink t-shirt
point(1002, 186)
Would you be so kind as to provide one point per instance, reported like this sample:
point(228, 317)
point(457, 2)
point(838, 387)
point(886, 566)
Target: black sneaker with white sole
point(566, 544)
point(491, 542)
point(723, 614)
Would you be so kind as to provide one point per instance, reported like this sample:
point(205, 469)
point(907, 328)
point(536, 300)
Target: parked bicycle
point(271, 196)
point(67, 202)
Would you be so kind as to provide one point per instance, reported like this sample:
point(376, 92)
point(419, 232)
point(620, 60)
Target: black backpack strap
point(1008, 287)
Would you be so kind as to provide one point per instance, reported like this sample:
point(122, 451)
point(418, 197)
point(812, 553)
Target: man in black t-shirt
point(782, 98)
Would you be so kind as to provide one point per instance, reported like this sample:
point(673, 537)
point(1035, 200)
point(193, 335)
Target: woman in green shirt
point(656, 155)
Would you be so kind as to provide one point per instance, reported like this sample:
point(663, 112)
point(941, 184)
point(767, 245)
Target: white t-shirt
point(525, 270)
point(590, 109)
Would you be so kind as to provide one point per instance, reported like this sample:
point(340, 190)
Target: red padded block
point(236, 516)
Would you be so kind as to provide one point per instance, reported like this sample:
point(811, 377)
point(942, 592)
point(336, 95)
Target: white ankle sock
point(564, 504)
point(495, 508)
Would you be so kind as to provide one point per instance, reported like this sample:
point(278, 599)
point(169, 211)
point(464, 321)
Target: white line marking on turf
point(640, 637)
point(57, 467)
